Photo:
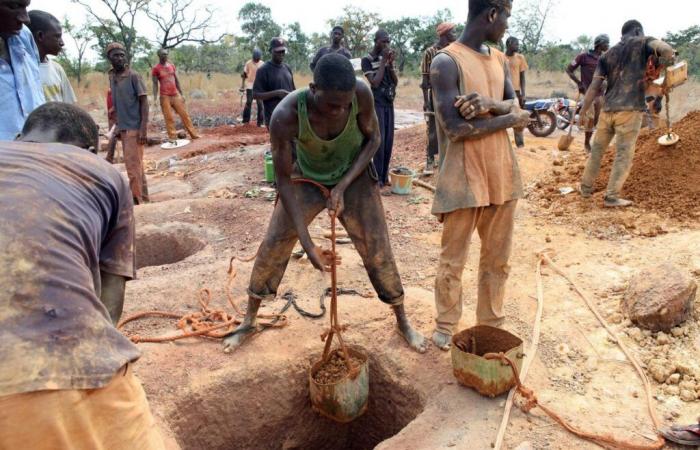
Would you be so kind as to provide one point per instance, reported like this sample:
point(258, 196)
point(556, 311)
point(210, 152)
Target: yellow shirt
point(250, 69)
point(517, 64)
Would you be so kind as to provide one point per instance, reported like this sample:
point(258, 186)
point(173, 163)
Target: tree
point(529, 22)
point(402, 32)
point(426, 35)
point(119, 24)
point(358, 25)
point(106, 32)
point(81, 38)
point(178, 22)
point(687, 43)
point(582, 43)
point(299, 48)
point(257, 26)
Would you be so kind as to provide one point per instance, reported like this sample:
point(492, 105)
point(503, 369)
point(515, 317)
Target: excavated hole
point(165, 245)
point(270, 409)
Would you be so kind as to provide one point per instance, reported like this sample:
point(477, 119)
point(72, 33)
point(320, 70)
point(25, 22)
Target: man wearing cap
point(337, 36)
point(20, 80)
point(274, 80)
point(130, 102)
point(378, 67)
point(587, 62)
point(518, 66)
point(164, 73)
point(446, 35)
point(249, 72)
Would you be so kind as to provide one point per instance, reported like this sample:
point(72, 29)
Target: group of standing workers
point(67, 225)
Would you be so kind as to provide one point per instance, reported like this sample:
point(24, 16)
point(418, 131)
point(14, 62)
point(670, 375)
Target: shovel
point(566, 140)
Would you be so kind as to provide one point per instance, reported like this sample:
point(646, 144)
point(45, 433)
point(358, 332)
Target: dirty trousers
point(114, 417)
point(625, 125)
point(495, 226)
point(363, 218)
point(168, 103)
point(133, 160)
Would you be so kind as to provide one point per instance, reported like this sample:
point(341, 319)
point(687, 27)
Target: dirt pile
point(335, 369)
point(664, 180)
point(409, 147)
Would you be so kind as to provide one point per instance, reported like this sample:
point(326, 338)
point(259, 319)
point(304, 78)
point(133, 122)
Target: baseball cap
point(277, 44)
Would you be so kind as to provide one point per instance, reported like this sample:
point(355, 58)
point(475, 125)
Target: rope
point(529, 395)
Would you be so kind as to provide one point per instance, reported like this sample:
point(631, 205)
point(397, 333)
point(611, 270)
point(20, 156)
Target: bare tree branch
point(174, 26)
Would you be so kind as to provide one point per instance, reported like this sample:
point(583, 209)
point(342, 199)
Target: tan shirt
point(67, 214)
point(517, 65)
point(251, 69)
point(478, 172)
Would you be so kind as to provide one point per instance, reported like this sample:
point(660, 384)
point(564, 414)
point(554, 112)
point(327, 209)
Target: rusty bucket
point(488, 377)
point(346, 399)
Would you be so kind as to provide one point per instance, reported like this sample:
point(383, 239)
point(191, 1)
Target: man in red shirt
point(170, 96)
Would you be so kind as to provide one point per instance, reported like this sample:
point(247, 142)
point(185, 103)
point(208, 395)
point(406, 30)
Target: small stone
point(674, 378)
point(615, 318)
point(557, 162)
point(548, 239)
point(687, 386)
point(563, 349)
point(688, 396)
point(660, 298)
point(672, 390)
point(684, 369)
point(635, 333)
point(677, 332)
point(662, 338)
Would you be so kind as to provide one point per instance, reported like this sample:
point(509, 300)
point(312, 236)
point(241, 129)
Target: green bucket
point(401, 180)
point(269, 168)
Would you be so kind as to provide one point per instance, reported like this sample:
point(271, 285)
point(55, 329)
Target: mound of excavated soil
point(664, 180)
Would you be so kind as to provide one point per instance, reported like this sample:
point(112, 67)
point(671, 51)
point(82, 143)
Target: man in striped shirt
point(446, 35)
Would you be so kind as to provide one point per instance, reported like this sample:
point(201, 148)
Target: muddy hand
point(323, 259)
point(335, 203)
point(472, 105)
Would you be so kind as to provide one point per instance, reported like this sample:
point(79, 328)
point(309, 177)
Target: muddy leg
point(365, 222)
point(245, 329)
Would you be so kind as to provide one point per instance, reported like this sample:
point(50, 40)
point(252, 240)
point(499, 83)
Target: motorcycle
point(543, 120)
point(565, 109)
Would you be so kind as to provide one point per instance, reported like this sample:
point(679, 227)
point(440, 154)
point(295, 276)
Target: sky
point(570, 18)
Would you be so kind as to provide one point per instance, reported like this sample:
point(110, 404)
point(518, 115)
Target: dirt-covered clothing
point(127, 87)
point(326, 161)
point(57, 87)
point(166, 78)
point(272, 77)
point(364, 220)
point(495, 227)
point(427, 60)
point(327, 51)
point(251, 69)
point(517, 65)
point(133, 162)
point(67, 214)
point(624, 68)
point(476, 172)
point(624, 126)
point(171, 104)
point(114, 417)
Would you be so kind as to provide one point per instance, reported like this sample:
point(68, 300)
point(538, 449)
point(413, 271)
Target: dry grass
point(92, 91)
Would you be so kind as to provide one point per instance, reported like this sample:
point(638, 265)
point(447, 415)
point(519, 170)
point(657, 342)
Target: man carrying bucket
point(336, 132)
point(479, 181)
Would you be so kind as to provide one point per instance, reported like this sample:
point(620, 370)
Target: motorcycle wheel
point(542, 123)
point(563, 120)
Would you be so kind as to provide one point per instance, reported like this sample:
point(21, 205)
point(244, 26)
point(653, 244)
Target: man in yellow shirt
point(518, 66)
point(249, 71)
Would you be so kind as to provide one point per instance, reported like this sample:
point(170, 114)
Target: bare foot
point(414, 339)
point(442, 341)
point(238, 336)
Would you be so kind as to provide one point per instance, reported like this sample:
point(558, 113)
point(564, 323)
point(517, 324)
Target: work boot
point(429, 164)
point(584, 191)
point(613, 202)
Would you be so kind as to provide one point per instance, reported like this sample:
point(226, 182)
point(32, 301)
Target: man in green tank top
point(334, 127)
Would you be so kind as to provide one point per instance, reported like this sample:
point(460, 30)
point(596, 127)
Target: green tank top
point(326, 161)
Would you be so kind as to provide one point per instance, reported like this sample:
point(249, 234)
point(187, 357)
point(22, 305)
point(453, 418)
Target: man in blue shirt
point(20, 82)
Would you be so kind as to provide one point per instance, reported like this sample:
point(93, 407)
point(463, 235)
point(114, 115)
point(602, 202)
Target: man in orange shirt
point(518, 66)
point(249, 71)
point(479, 183)
point(170, 96)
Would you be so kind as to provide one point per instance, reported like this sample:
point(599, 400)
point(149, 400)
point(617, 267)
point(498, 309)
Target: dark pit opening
point(166, 245)
point(481, 339)
point(271, 409)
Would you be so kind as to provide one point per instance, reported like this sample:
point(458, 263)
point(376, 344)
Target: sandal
point(684, 435)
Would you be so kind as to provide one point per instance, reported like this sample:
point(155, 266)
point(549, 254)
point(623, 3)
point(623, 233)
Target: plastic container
point(269, 168)
point(488, 377)
point(344, 400)
point(401, 180)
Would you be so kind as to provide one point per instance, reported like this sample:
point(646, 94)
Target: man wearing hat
point(171, 97)
point(446, 36)
point(249, 72)
point(130, 102)
point(587, 62)
point(274, 80)
point(337, 36)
